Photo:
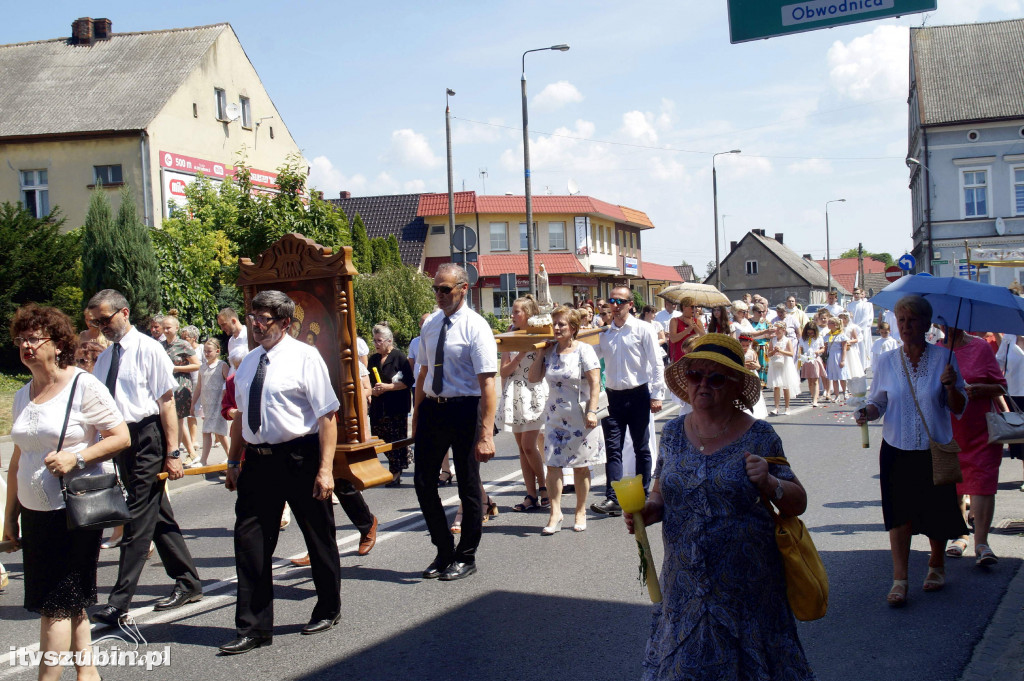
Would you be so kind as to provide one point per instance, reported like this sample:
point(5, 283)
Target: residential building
point(965, 144)
point(763, 265)
point(847, 271)
point(150, 109)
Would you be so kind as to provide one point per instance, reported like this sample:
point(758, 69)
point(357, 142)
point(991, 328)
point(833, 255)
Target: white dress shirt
point(891, 394)
point(834, 308)
point(296, 392)
point(239, 341)
point(663, 317)
point(631, 357)
point(144, 375)
point(413, 354)
point(894, 330)
point(469, 350)
point(1013, 368)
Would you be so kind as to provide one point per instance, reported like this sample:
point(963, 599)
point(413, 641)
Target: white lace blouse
point(36, 431)
point(891, 394)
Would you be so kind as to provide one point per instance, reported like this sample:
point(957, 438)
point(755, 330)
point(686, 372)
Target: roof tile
point(656, 272)
point(390, 214)
point(432, 205)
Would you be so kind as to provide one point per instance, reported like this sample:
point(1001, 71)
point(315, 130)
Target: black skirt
point(908, 495)
point(60, 564)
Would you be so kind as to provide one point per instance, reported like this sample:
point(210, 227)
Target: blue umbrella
point(960, 303)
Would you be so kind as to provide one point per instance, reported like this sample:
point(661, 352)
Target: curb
point(999, 655)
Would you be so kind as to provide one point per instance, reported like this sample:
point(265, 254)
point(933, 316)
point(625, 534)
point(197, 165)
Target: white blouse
point(891, 394)
point(36, 431)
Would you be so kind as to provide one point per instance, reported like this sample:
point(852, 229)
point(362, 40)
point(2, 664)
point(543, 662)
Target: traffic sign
point(940, 262)
point(473, 273)
point(924, 274)
point(464, 238)
point(756, 19)
point(906, 262)
point(893, 273)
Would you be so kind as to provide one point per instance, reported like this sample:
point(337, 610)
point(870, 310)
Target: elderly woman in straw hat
point(725, 614)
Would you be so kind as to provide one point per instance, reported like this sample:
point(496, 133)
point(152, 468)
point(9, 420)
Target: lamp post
point(526, 169)
point(928, 206)
point(828, 253)
point(451, 190)
point(725, 237)
point(714, 189)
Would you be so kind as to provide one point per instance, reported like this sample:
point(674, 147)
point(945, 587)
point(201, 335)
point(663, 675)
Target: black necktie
point(115, 365)
point(439, 358)
point(256, 394)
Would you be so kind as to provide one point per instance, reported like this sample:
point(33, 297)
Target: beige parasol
point(703, 295)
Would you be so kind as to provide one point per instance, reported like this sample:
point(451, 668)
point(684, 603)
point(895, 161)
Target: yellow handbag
point(806, 579)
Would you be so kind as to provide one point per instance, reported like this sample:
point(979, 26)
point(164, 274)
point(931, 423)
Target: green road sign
point(940, 262)
point(757, 19)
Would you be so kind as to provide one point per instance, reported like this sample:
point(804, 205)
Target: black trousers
point(438, 428)
point(354, 505)
point(627, 409)
point(152, 517)
point(266, 482)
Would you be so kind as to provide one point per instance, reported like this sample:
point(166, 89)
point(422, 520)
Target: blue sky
point(632, 113)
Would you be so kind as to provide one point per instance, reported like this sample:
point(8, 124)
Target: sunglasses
point(715, 380)
point(100, 322)
point(620, 301)
point(445, 290)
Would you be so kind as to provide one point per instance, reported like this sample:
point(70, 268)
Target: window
point(522, 236)
point(556, 234)
point(437, 229)
point(246, 112)
point(975, 184)
point(751, 267)
point(35, 192)
point(503, 301)
point(107, 174)
point(632, 243)
point(499, 236)
point(222, 104)
point(1018, 190)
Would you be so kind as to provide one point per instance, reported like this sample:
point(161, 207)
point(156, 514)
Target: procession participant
point(454, 407)
point(665, 315)
point(885, 342)
point(156, 327)
point(633, 381)
point(853, 341)
point(286, 415)
point(238, 335)
point(862, 313)
point(687, 324)
point(833, 305)
point(792, 310)
point(139, 374)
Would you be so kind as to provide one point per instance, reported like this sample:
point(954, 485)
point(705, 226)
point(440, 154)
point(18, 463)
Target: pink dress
point(979, 460)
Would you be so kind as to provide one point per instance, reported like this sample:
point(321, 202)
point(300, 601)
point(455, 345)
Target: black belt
point(446, 400)
point(269, 450)
point(627, 390)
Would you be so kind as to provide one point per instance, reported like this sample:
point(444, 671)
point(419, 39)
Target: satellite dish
point(573, 187)
point(233, 111)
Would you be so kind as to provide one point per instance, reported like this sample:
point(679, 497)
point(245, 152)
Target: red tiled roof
point(656, 272)
point(849, 266)
point(437, 204)
point(493, 265)
point(636, 216)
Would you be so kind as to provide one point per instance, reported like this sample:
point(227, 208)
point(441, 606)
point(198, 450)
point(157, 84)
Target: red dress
point(675, 350)
point(979, 460)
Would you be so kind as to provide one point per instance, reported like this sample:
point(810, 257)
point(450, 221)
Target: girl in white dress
point(835, 364)
point(782, 374)
point(853, 340)
point(209, 390)
point(810, 349)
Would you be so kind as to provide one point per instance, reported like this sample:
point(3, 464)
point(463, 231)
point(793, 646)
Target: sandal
point(4, 578)
point(897, 597)
point(491, 509)
point(985, 557)
point(544, 501)
point(443, 481)
point(956, 548)
point(528, 504)
point(936, 579)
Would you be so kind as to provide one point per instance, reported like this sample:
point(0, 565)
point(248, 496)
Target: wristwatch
point(176, 454)
point(79, 461)
point(778, 490)
point(234, 464)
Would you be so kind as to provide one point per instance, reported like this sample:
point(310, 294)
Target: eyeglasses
point(261, 320)
point(103, 321)
point(715, 381)
point(31, 342)
point(619, 301)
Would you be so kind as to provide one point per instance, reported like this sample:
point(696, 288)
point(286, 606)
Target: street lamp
point(725, 237)
point(451, 190)
point(928, 208)
point(828, 253)
point(714, 189)
point(526, 169)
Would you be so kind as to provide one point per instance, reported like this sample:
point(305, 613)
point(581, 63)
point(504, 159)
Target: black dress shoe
point(317, 626)
point(458, 570)
point(607, 507)
point(244, 644)
point(435, 569)
point(177, 599)
point(108, 615)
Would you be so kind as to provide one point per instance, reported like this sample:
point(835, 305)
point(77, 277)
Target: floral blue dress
point(725, 614)
point(568, 443)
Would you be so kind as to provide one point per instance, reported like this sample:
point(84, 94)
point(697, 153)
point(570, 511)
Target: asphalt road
point(567, 606)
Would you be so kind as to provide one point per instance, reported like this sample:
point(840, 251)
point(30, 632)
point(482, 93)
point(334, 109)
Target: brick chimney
point(81, 31)
point(346, 195)
point(807, 256)
point(778, 237)
point(101, 29)
point(733, 245)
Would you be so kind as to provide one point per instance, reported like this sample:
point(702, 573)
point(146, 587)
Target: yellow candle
point(631, 496)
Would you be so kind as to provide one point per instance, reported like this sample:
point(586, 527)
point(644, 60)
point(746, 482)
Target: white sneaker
point(785, 413)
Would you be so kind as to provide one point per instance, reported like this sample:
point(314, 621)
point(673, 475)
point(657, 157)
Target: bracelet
point(592, 411)
point(234, 464)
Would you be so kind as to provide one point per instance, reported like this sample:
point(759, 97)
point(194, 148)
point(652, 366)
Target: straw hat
point(721, 349)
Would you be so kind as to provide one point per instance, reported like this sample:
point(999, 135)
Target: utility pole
point(860, 266)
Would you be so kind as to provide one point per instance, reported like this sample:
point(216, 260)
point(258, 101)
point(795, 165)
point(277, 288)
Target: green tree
point(638, 300)
point(883, 257)
point(362, 249)
point(97, 243)
point(398, 295)
point(39, 264)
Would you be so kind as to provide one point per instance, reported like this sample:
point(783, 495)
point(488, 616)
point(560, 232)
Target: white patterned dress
point(210, 397)
point(568, 443)
point(522, 402)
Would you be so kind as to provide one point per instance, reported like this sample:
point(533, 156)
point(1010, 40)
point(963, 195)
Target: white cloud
point(814, 166)
point(872, 66)
point(742, 165)
point(968, 11)
point(557, 95)
point(667, 169)
point(638, 126)
point(410, 148)
point(467, 132)
point(415, 187)
point(323, 175)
